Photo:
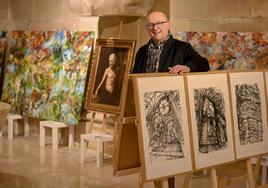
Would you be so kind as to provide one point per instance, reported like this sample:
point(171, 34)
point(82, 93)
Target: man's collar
point(151, 41)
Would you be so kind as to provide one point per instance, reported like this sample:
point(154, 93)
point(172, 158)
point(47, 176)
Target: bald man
point(163, 53)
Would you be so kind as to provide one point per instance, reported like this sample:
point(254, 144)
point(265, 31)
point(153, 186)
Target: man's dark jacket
point(174, 52)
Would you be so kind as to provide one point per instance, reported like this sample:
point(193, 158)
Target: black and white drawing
point(163, 123)
point(249, 114)
point(210, 119)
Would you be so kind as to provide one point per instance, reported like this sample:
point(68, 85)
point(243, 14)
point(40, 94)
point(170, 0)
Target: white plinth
point(12, 121)
point(55, 126)
point(100, 139)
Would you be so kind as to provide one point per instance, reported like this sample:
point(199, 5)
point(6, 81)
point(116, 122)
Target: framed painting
point(249, 113)
point(111, 64)
point(163, 133)
point(211, 124)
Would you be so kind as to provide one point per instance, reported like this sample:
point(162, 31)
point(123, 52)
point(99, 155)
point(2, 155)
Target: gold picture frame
point(112, 62)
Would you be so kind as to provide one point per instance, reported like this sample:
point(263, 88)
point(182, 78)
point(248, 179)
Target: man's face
point(112, 60)
point(157, 26)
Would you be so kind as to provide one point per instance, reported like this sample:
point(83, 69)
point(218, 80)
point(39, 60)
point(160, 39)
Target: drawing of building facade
point(163, 121)
point(249, 114)
point(210, 119)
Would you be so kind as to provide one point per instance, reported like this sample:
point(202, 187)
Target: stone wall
point(185, 15)
point(43, 15)
point(219, 15)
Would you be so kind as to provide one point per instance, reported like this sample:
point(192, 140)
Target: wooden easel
point(249, 176)
point(218, 181)
point(90, 126)
point(213, 178)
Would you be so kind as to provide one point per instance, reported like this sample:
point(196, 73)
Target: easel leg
point(257, 169)
point(92, 119)
point(213, 176)
point(140, 181)
point(264, 175)
point(164, 183)
point(250, 174)
point(187, 178)
point(220, 179)
point(116, 129)
point(115, 140)
point(103, 122)
point(89, 125)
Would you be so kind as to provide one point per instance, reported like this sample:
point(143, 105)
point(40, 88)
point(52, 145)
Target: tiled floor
point(23, 164)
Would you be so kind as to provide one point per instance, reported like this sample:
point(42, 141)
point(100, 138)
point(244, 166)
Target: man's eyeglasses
point(157, 25)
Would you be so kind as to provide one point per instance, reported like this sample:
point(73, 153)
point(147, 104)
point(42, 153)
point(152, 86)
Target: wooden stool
point(55, 133)
point(11, 118)
point(100, 139)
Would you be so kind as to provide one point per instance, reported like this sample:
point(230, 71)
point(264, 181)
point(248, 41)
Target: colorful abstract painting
point(3, 44)
point(230, 50)
point(46, 73)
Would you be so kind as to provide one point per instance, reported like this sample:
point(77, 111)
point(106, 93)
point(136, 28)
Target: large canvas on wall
point(230, 50)
point(210, 119)
point(249, 113)
point(163, 128)
point(46, 73)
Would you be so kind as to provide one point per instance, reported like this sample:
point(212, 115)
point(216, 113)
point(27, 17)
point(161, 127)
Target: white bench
point(55, 126)
point(100, 139)
point(11, 122)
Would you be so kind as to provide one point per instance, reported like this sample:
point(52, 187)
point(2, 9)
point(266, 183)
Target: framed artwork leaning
point(163, 133)
point(111, 65)
point(249, 113)
point(211, 125)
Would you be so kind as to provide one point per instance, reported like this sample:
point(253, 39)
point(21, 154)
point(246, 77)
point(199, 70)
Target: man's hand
point(179, 69)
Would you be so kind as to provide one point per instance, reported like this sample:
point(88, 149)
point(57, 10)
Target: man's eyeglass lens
point(155, 25)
